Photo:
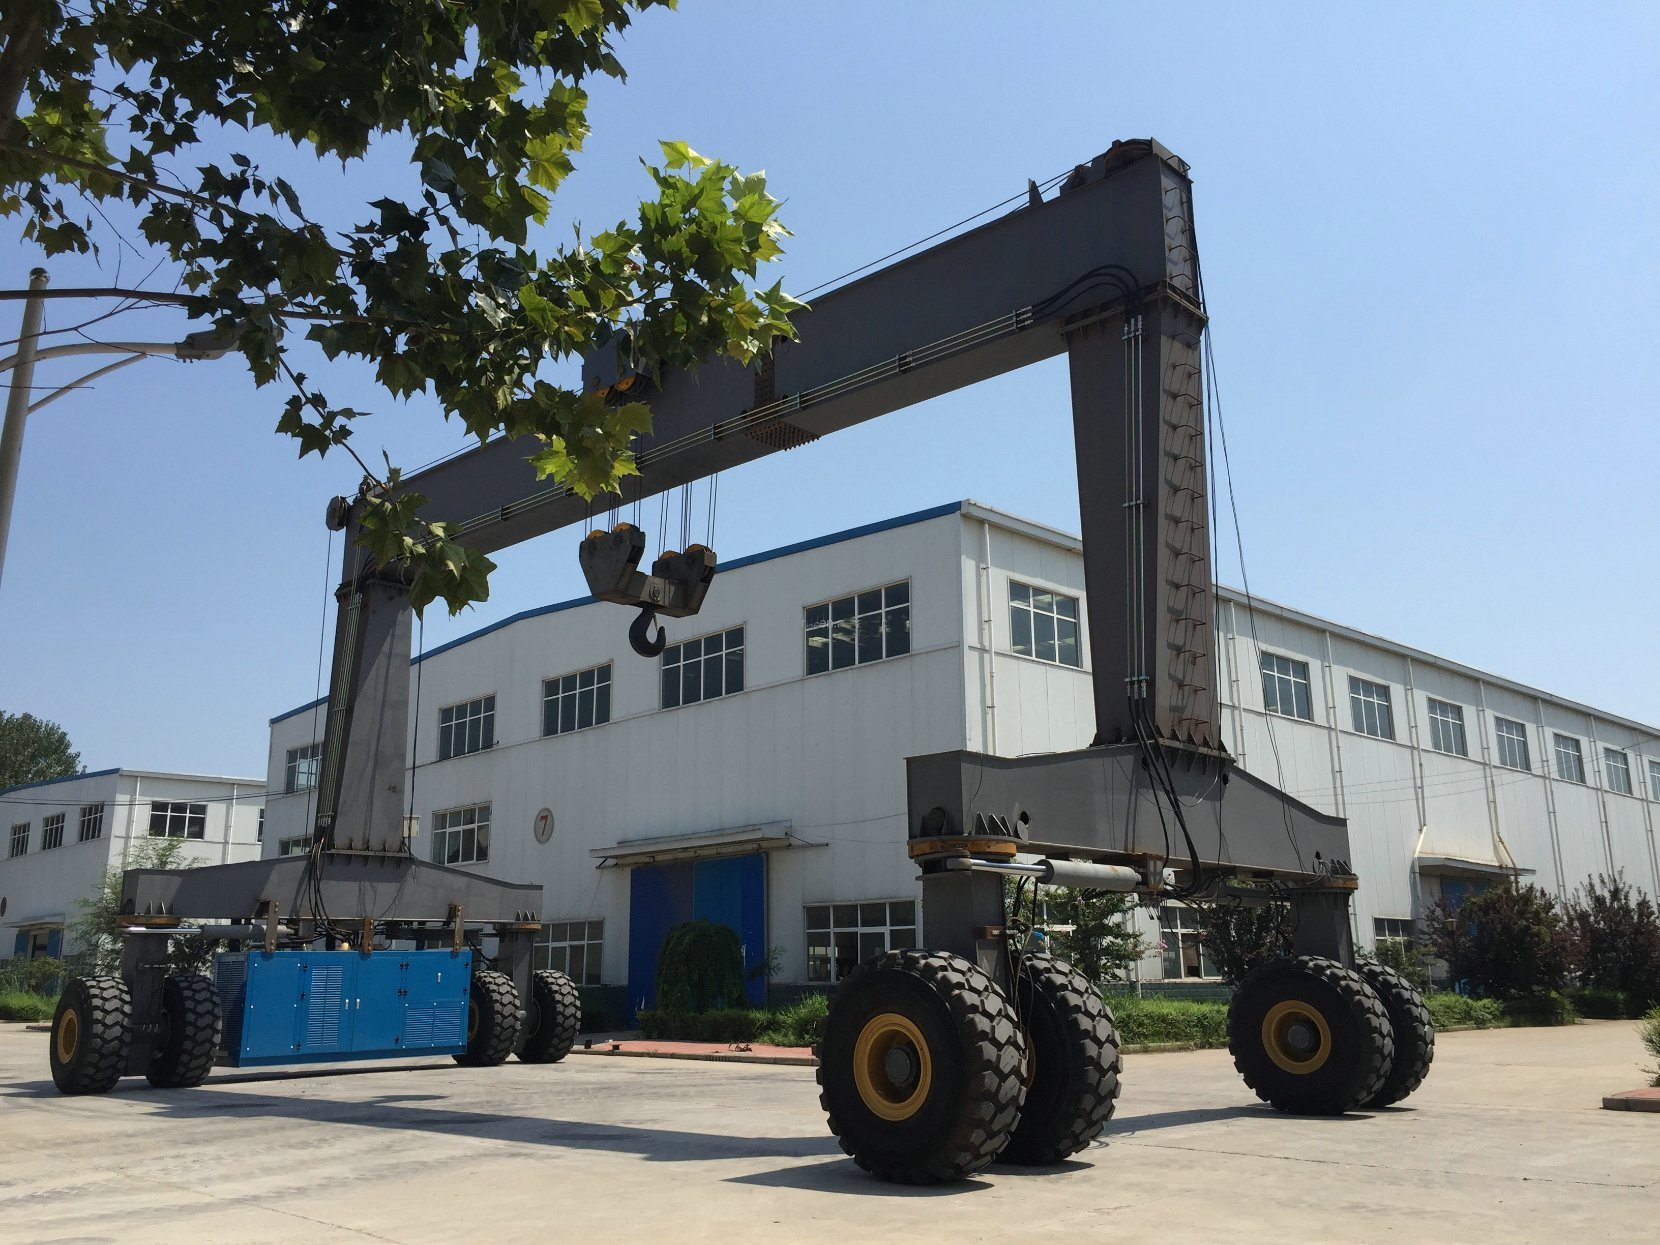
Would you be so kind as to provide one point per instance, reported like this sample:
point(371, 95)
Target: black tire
point(920, 1067)
point(1075, 1063)
point(1310, 1036)
point(553, 1019)
point(1411, 1027)
point(91, 1033)
point(191, 1025)
point(493, 1020)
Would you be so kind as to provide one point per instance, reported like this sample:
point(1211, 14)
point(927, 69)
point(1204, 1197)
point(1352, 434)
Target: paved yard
point(1505, 1141)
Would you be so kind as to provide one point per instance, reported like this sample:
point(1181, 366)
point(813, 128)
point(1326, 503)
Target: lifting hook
point(643, 643)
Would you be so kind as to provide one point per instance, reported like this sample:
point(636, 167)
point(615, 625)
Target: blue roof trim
point(47, 782)
point(754, 559)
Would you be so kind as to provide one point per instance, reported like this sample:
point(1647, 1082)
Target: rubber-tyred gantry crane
point(934, 1060)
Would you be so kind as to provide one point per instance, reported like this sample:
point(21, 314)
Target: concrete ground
point(1506, 1141)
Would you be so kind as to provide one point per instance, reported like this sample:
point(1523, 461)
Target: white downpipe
point(986, 638)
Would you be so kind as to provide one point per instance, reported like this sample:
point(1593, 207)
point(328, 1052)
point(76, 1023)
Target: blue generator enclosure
point(320, 1006)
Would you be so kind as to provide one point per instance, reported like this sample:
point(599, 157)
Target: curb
point(1633, 1100)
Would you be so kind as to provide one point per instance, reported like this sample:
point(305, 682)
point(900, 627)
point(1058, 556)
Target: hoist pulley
point(675, 588)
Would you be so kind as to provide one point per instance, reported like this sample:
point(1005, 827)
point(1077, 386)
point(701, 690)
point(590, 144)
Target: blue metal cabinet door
point(323, 1020)
point(377, 1003)
point(435, 1002)
point(271, 1007)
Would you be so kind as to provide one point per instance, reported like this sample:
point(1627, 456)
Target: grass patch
point(798, 1024)
point(24, 1005)
point(1146, 1022)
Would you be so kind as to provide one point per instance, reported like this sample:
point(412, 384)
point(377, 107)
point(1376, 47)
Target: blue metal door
point(730, 891)
point(659, 898)
point(733, 892)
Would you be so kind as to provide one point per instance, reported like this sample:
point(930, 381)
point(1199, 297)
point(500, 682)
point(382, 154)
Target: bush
point(22, 1005)
point(1650, 1033)
point(1617, 939)
point(1600, 1004)
point(1146, 1022)
point(799, 1024)
point(1539, 1009)
point(37, 976)
point(701, 968)
point(1509, 942)
point(1448, 1010)
point(723, 1024)
point(1406, 958)
point(1239, 937)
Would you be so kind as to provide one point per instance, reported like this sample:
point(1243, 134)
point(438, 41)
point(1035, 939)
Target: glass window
point(1285, 687)
point(296, 846)
point(574, 702)
point(1044, 624)
point(703, 669)
point(575, 948)
point(1617, 768)
point(177, 820)
point(92, 822)
point(1369, 702)
point(467, 727)
point(1654, 780)
point(1570, 760)
point(51, 831)
point(855, 630)
point(1397, 929)
point(300, 769)
point(461, 836)
point(1512, 741)
point(842, 936)
point(20, 838)
point(1181, 945)
point(1446, 728)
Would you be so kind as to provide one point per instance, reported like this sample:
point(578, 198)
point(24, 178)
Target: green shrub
point(1617, 940)
point(23, 1005)
point(1448, 1010)
point(1146, 1022)
point(1650, 1033)
point(725, 1024)
point(799, 1024)
point(1509, 942)
point(1540, 1009)
point(1406, 958)
point(1602, 1004)
point(701, 968)
point(1240, 937)
point(37, 976)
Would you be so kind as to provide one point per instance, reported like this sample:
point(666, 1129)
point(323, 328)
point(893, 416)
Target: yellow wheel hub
point(1296, 1037)
point(69, 1035)
point(892, 1066)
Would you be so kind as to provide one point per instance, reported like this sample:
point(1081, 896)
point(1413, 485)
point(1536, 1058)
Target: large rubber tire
point(493, 1020)
point(1075, 1066)
point(1310, 1036)
point(91, 1033)
point(920, 1067)
point(554, 1017)
point(1413, 1031)
point(191, 1024)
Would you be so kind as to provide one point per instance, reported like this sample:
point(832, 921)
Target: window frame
point(1450, 720)
point(598, 693)
point(1364, 703)
point(1505, 741)
point(703, 662)
point(1616, 761)
point(18, 843)
point(193, 819)
point(459, 725)
point(1035, 618)
point(1184, 936)
point(92, 815)
point(441, 832)
point(1273, 704)
point(824, 961)
point(546, 950)
point(1653, 777)
point(1577, 753)
point(1393, 932)
point(304, 762)
point(892, 604)
point(51, 831)
point(293, 845)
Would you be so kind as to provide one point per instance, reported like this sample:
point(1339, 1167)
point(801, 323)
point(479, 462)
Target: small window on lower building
point(853, 630)
point(1396, 929)
point(177, 820)
point(1570, 759)
point(20, 838)
point(575, 948)
point(1182, 946)
point(841, 936)
point(1617, 766)
point(51, 831)
point(1043, 624)
point(297, 845)
point(92, 822)
point(461, 836)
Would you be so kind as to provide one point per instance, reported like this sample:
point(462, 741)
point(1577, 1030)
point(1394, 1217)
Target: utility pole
point(17, 404)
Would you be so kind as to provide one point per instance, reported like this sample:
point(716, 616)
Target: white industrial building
point(754, 773)
point(64, 834)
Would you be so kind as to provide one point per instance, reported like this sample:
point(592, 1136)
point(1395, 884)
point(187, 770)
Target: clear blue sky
point(1433, 266)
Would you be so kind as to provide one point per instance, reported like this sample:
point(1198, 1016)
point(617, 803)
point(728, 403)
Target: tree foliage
point(701, 967)
point(96, 932)
point(1242, 936)
point(1101, 943)
point(1617, 939)
point(1509, 942)
point(33, 750)
point(449, 290)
